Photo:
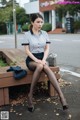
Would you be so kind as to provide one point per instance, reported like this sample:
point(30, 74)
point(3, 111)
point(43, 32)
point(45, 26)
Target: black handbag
point(52, 59)
point(19, 73)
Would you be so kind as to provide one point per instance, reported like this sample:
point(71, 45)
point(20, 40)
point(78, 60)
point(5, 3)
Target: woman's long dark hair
point(33, 17)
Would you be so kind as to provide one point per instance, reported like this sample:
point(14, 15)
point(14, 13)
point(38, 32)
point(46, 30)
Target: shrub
point(2, 63)
point(47, 27)
point(25, 27)
point(76, 25)
point(3, 29)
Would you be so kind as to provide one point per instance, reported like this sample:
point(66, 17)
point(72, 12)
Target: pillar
point(53, 20)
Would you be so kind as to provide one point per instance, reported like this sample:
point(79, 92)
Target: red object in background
point(46, 5)
point(16, 27)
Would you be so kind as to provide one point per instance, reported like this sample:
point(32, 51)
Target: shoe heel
point(31, 109)
point(65, 107)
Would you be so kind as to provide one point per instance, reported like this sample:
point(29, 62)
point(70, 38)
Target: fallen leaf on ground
point(57, 114)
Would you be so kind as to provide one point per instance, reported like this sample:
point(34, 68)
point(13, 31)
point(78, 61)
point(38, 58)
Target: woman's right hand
point(41, 62)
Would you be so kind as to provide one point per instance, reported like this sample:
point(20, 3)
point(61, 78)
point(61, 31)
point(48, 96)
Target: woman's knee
point(39, 67)
point(46, 67)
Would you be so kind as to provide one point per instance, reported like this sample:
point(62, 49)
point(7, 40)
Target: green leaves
point(6, 15)
point(20, 16)
point(2, 63)
point(62, 9)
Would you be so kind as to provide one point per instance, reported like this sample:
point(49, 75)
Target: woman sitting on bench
point(37, 49)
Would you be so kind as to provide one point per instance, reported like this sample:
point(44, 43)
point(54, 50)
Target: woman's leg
point(54, 82)
point(37, 68)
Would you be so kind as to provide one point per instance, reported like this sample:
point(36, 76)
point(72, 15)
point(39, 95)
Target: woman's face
point(37, 24)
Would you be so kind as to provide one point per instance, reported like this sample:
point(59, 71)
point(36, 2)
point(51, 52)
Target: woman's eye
point(40, 22)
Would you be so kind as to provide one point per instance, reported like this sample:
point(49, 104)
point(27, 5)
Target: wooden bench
point(7, 80)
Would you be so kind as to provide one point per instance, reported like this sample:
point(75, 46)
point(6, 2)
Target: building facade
point(47, 9)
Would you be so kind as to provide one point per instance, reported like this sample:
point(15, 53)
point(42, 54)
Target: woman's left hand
point(44, 62)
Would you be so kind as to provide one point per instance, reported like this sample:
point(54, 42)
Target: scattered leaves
point(45, 113)
point(63, 83)
point(20, 114)
point(57, 114)
point(69, 117)
point(48, 99)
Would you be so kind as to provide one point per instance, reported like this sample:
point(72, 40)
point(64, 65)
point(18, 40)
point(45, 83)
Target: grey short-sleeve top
point(36, 43)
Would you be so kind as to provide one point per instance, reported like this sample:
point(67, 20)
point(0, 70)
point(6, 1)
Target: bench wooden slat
point(51, 90)
point(10, 74)
point(6, 96)
point(1, 97)
point(10, 81)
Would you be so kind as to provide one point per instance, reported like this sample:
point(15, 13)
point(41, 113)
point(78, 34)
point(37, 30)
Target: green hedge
point(3, 29)
point(2, 63)
point(25, 27)
point(47, 27)
point(76, 25)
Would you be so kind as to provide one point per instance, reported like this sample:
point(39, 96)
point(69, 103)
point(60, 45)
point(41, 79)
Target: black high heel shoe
point(65, 105)
point(30, 105)
point(31, 109)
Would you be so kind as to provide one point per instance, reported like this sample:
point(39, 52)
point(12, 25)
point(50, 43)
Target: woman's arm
point(46, 52)
point(29, 53)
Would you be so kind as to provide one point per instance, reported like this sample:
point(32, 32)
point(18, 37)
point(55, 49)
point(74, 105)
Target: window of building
point(46, 17)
